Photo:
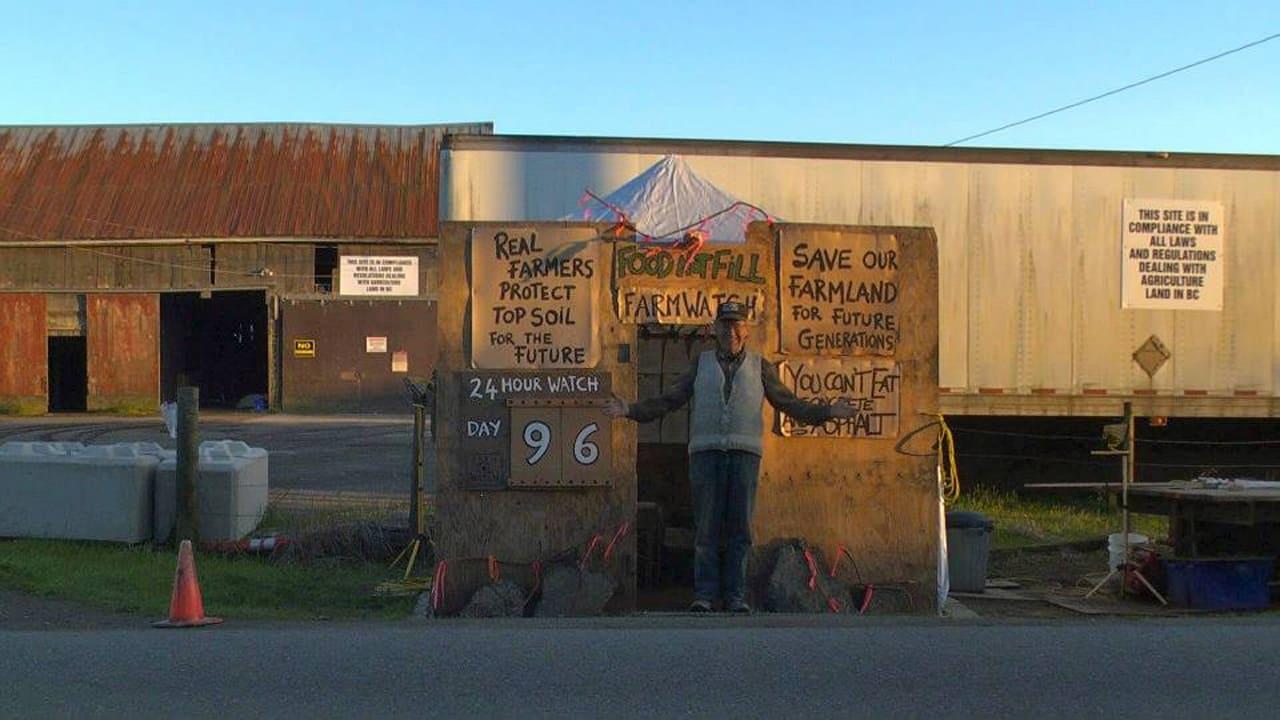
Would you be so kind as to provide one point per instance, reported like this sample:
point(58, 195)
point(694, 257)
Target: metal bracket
point(557, 402)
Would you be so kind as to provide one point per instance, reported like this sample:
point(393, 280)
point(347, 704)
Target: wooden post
point(1125, 480)
point(415, 492)
point(187, 526)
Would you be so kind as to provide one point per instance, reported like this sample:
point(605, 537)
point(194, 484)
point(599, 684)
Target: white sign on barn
point(368, 275)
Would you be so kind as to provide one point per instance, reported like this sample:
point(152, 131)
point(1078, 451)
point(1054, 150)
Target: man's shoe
point(739, 606)
point(700, 606)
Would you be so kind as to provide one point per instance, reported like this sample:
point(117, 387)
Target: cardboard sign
point(871, 385)
point(654, 285)
point(838, 292)
point(382, 276)
point(533, 298)
point(304, 348)
point(1173, 255)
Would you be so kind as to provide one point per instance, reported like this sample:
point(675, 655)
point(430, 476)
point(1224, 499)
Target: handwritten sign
point(673, 288)
point(682, 306)
point(1173, 255)
point(871, 385)
point(385, 276)
point(533, 297)
point(485, 423)
point(838, 293)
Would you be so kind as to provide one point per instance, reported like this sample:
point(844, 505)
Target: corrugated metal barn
point(281, 263)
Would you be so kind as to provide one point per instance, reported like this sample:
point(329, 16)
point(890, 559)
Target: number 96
point(537, 437)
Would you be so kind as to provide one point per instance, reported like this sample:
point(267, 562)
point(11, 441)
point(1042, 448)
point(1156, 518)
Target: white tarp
point(670, 199)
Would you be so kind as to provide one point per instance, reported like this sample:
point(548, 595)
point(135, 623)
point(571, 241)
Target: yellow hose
point(949, 474)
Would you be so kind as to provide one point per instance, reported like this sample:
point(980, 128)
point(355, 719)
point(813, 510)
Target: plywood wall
point(525, 525)
point(861, 493)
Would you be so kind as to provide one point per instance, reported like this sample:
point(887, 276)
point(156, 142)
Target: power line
point(1109, 93)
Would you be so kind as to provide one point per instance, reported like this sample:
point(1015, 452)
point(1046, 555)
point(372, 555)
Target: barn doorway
point(68, 374)
point(68, 354)
point(217, 342)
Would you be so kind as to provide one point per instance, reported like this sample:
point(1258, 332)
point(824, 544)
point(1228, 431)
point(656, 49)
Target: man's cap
point(731, 311)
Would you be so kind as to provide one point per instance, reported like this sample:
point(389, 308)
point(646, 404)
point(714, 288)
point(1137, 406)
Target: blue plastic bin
point(1234, 583)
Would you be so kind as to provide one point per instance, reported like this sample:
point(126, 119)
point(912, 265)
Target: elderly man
point(728, 387)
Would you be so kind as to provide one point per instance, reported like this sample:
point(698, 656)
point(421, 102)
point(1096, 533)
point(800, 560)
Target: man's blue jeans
point(724, 497)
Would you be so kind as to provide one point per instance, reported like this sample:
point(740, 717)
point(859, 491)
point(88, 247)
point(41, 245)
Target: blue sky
point(922, 73)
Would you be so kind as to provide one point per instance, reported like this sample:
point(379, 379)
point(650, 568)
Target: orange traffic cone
point(186, 608)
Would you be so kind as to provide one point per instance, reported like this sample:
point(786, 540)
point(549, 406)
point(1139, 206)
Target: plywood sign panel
point(838, 292)
point(655, 285)
point(535, 446)
point(533, 298)
point(871, 385)
point(859, 492)
point(495, 445)
point(586, 445)
point(560, 446)
point(478, 511)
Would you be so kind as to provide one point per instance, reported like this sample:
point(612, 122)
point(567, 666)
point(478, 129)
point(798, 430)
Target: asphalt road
point(652, 667)
point(358, 453)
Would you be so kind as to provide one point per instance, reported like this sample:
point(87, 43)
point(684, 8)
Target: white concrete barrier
point(68, 491)
point(231, 491)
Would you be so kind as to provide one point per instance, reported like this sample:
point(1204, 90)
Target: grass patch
point(1022, 521)
point(139, 579)
point(295, 521)
point(24, 406)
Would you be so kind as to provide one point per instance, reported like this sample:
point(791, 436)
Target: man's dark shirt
point(779, 395)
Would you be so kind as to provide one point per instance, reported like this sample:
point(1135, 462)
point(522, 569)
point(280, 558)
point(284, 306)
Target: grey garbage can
point(968, 546)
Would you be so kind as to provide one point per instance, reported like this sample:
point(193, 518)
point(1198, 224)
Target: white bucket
point(1115, 546)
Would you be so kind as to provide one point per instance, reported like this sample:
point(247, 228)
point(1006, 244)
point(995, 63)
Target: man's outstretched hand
point(841, 409)
point(617, 407)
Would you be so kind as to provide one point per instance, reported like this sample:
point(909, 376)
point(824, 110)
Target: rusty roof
point(221, 180)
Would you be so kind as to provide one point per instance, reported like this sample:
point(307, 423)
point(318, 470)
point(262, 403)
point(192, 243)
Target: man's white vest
point(734, 425)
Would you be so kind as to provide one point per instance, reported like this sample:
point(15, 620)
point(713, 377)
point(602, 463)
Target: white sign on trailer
point(388, 275)
point(1173, 255)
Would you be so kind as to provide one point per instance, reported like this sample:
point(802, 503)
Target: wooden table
point(1186, 507)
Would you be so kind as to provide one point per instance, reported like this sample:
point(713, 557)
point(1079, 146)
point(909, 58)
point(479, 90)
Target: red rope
point(437, 585)
point(813, 569)
point(595, 540)
point(622, 530)
point(835, 564)
point(623, 221)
